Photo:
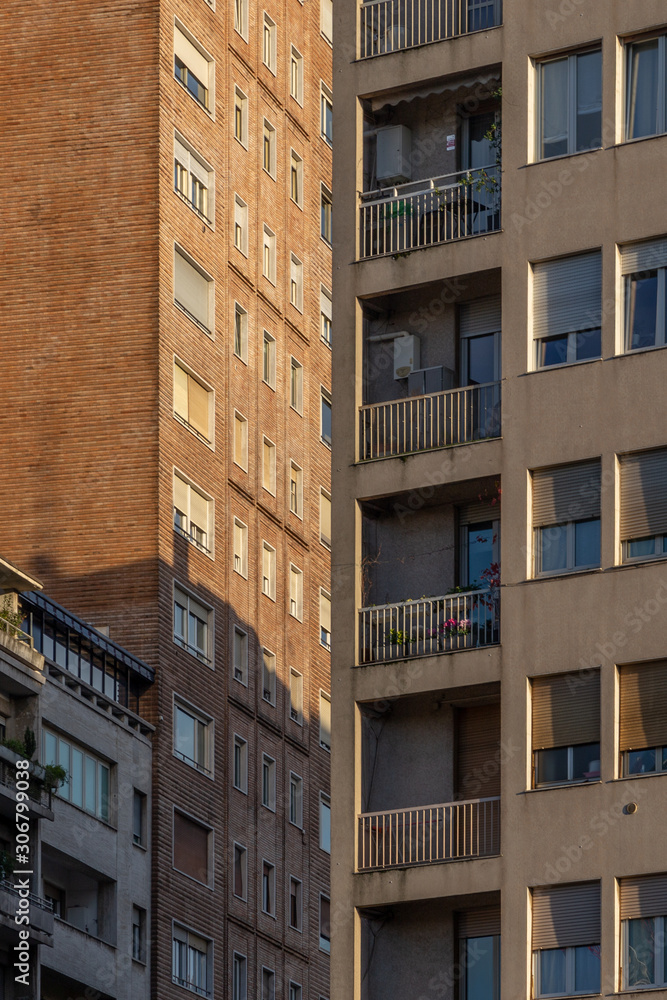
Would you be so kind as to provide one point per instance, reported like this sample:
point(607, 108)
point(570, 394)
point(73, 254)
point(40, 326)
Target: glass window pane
point(76, 778)
point(586, 762)
point(480, 551)
point(554, 108)
point(587, 969)
point(642, 307)
point(103, 789)
point(481, 977)
point(588, 345)
point(185, 734)
point(664, 767)
point(553, 548)
point(552, 351)
point(641, 952)
point(587, 543)
point(551, 765)
point(641, 761)
point(641, 547)
point(589, 100)
point(64, 761)
point(643, 90)
point(481, 359)
point(90, 802)
point(552, 970)
point(50, 749)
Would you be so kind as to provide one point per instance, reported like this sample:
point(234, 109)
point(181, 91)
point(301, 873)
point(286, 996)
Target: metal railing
point(422, 213)
point(43, 904)
point(438, 420)
point(15, 632)
point(37, 791)
point(423, 835)
point(392, 25)
point(429, 625)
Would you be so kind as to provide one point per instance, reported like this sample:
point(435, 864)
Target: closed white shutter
point(566, 915)
point(645, 256)
point(567, 295)
point(199, 170)
point(191, 288)
point(199, 510)
point(326, 22)
point(325, 611)
point(566, 493)
point(198, 406)
point(181, 153)
point(644, 494)
point(191, 56)
point(181, 392)
point(181, 490)
point(482, 316)
point(325, 302)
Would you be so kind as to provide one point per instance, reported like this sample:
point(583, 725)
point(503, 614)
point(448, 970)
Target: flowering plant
point(451, 627)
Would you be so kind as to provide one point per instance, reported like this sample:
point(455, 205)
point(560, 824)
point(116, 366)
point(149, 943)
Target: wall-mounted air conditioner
point(394, 151)
point(406, 354)
point(423, 381)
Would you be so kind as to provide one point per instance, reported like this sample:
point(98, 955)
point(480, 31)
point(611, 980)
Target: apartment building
point(86, 857)
point(500, 652)
point(167, 336)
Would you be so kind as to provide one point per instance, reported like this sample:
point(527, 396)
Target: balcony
point(40, 910)
point(453, 831)
point(394, 25)
point(423, 423)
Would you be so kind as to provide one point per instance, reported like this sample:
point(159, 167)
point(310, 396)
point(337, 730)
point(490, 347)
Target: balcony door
point(477, 152)
point(479, 324)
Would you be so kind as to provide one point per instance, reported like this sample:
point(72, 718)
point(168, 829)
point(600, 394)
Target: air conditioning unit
point(423, 381)
point(406, 354)
point(394, 153)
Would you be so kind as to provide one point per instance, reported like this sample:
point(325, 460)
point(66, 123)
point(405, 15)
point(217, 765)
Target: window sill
point(619, 145)
point(193, 98)
point(564, 996)
point(204, 771)
point(140, 847)
point(193, 430)
point(639, 560)
point(634, 777)
point(564, 156)
point(206, 885)
point(639, 350)
point(637, 989)
point(564, 364)
point(565, 784)
point(557, 575)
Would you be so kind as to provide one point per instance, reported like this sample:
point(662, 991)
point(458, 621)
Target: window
point(240, 547)
point(296, 178)
point(240, 117)
point(567, 309)
point(326, 19)
point(191, 847)
point(269, 149)
point(240, 440)
point(269, 466)
point(325, 619)
point(296, 489)
point(193, 403)
point(325, 721)
point(241, 18)
point(193, 67)
point(240, 655)
point(138, 934)
point(294, 991)
point(268, 984)
point(566, 939)
point(644, 505)
point(268, 782)
point(296, 697)
point(139, 819)
point(646, 113)
point(325, 518)
point(269, 359)
point(89, 778)
point(566, 517)
point(643, 906)
point(325, 923)
point(326, 214)
point(193, 290)
point(240, 332)
point(296, 592)
point(241, 764)
point(269, 43)
point(269, 676)
point(193, 732)
point(296, 76)
point(239, 977)
point(193, 625)
point(191, 966)
point(269, 888)
point(296, 385)
point(326, 312)
point(240, 225)
point(643, 718)
point(295, 906)
point(296, 283)
point(570, 104)
point(193, 178)
point(566, 728)
point(296, 800)
point(193, 514)
point(268, 571)
point(479, 953)
point(644, 270)
point(269, 255)
point(325, 823)
point(240, 871)
point(326, 417)
point(326, 114)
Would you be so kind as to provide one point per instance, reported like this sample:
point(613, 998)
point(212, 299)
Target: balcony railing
point(420, 423)
point(391, 25)
point(44, 904)
point(422, 213)
point(428, 626)
point(423, 835)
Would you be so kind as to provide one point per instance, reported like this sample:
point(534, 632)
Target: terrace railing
point(392, 25)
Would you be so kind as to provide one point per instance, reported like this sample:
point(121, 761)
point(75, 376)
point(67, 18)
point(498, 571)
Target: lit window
point(326, 312)
point(566, 940)
point(296, 178)
point(88, 786)
point(240, 225)
point(646, 110)
point(326, 226)
point(239, 977)
point(325, 923)
point(269, 466)
point(193, 67)
point(325, 619)
point(241, 764)
point(268, 571)
point(193, 403)
point(567, 309)
point(325, 721)
point(295, 904)
point(326, 417)
point(296, 283)
point(296, 592)
point(296, 697)
point(566, 729)
point(326, 120)
point(240, 117)
point(240, 871)
point(566, 517)
point(296, 76)
point(240, 653)
point(193, 178)
point(269, 888)
point(269, 255)
point(269, 43)
point(193, 290)
point(193, 625)
point(269, 149)
point(191, 966)
point(193, 733)
point(268, 782)
point(295, 800)
point(325, 518)
point(240, 332)
point(296, 385)
point(269, 676)
point(296, 490)
point(193, 514)
point(269, 359)
point(570, 104)
point(325, 823)
point(240, 440)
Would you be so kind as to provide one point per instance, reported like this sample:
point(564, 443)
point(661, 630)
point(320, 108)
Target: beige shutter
point(325, 302)
point(238, 540)
point(479, 923)
point(191, 56)
point(198, 609)
point(199, 170)
point(181, 153)
point(190, 847)
point(198, 407)
point(325, 611)
point(566, 493)
point(481, 316)
point(643, 896)
point(198, 510)
point(643, 706)
point(566, 710)
point(239, 440)
point(567, 295)
point(181, 491)
point(566, 915)
point(326, 16)
point(191, 288)
point(644, 494)
point(181, 392)
point(645, 256)
point(478, 752)
point(479, 512)
point(325, 517)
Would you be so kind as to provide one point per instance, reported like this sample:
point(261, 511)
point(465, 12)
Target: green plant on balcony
point(55, 777)
point(10, 620)
point(25, 747)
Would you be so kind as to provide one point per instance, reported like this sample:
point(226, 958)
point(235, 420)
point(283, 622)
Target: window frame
point(659, 952)
point(243, 421)
point(325, 399)
point(324, 539)
point(326, 946)
point(139, 836)
point(243, 855)
point(207, 723)
point(296, 704)
point(240, 670)
point(210, 847)
point(324, 803)
point(326, 214)
point(269, 355)
point(296, 589)
point(268, 444)
point(240, 333)
point(240, 763)
point(661, 83)
point(209, 326)
point(210, 394)
point(207, 547)
point(326, 317)
point(570, 100)
point(208, 86)
point(269, 42)
point(186, 934)
point(269, 143)
point(296, 69)
point(139, 954)
point(269, 590)
point(296, 490)
point(570, 540)
point(240, 231)
point(296, 386)
point(268, 674)
point(239, 976)
point(269, 243)
point(296, 178)
point(326, 18)
point(325, 697)
point(570, 990)
point(271, 994)
point(241, 18)
point(324, 633)
point(296, 283)
point(195, 651)
point(268, 888)
point(240, 562)
point(326, 100)
point(660, 338)
point(296, 800)
point(297, 884)
point(62, 742)
point(208, 213)
point(240, 116)
point(268, 782)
